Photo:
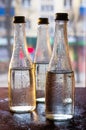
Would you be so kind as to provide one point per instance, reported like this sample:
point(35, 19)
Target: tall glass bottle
point(21, 79)
point(60, 76)
point(42, 57)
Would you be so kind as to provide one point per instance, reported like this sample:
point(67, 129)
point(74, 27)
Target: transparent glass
point(60, 79)
point(21, 76)
point(41, 60)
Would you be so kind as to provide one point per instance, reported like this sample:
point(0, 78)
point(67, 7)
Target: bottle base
point(59, 117)
point(42, 100)
point(22, 109)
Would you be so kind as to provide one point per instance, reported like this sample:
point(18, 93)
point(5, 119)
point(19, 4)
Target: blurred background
point(32, 10)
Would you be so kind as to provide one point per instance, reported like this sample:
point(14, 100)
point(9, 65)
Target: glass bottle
point(60, 76)
point(42, 57)
point(21, 79)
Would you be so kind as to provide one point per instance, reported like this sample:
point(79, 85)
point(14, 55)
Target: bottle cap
point(43, 21)
point(19, 19)
point(62, 16)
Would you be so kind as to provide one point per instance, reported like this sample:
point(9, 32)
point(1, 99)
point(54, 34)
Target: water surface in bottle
point(60, 95)
point(41, 70)
point(22, 89)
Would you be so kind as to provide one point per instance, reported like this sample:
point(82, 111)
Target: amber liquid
point(22, 90)
point(60, 95)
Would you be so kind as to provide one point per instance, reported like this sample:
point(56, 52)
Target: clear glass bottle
point(60, 76)
point(21, 76)
point(42, 57)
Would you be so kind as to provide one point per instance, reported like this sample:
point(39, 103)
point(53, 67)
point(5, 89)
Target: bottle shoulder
point(20, 61)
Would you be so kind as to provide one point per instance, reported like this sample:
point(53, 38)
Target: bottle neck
point(61, 32)
point(60, 59)
point(43, 31)
point(60, 40)
point(43, 49)
point(19, 34)
point(20, 56)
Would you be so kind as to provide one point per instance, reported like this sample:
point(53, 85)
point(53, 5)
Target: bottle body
point(42, 57)
point(21, 89)
point(41, 69)
point(21, 76)
point(60, 80)
point(60, 95)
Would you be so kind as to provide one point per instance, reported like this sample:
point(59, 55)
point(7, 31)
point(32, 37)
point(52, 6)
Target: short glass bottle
point(42, 57)
point(21, 76)
point(60, 80)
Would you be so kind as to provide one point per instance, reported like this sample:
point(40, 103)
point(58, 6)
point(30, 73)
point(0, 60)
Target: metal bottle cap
point(19, 19)
point(62, 16)
point(43, 21)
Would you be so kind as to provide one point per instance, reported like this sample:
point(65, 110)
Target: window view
point(32, 10)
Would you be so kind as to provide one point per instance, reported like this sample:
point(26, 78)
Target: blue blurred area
point(82, 10)
point(3, 11)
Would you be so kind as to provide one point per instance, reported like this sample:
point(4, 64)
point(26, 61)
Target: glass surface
point(22, 93)
point(59, 95)
point(41, 69)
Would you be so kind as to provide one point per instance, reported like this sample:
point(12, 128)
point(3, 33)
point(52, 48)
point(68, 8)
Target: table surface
point(37, 121)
